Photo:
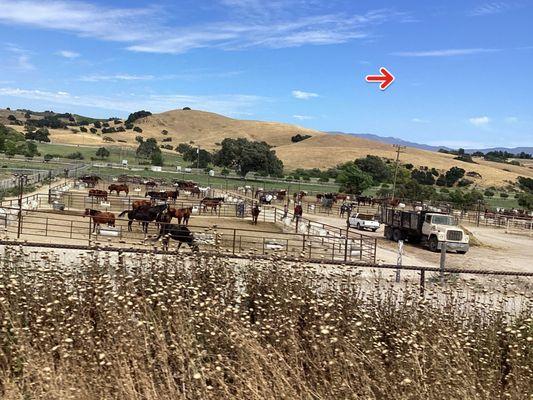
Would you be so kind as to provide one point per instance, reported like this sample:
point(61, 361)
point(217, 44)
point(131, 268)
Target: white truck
point(429, 228)
point(363, 221)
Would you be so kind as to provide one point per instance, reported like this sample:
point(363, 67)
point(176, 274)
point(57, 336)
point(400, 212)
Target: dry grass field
point(321, 150)
point(177, 327)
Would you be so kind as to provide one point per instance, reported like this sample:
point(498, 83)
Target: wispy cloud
point(444, 53)
point(154, 33)
point(495, 7)
point(115, 78)
point(303, 117)
point(20, 59)
point(227, 104)
point(298, 94)
point(68, 54)
point(480, 121)
point(511, 120)
point(419, 121)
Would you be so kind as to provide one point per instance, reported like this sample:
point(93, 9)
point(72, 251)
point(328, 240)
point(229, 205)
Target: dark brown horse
point(97, 193)
point(100, 217)
point(181, 214)
point(90, 180)
point(255, 214)
point(213, 202)
point(154, 195)
point(118, 188)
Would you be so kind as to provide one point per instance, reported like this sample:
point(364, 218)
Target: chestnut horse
point(181, 214)
point(118, 188)
point(100, 217)
point(99, 194)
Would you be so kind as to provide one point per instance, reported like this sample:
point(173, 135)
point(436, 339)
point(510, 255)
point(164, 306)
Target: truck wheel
point(397, 235)
point(461, 252)
point(433, 244)
point(375, 229)
point(358, 226)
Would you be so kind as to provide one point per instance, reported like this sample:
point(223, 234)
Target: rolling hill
point(321, 150)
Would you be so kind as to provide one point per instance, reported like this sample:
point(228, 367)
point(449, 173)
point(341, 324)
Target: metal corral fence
point(34, 177)
point(498, 221)
point(72, 228)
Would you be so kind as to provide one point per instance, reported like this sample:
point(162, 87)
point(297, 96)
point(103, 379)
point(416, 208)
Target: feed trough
point(109, 231)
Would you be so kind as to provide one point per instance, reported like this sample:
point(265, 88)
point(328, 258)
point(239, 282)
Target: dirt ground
point(498, 250)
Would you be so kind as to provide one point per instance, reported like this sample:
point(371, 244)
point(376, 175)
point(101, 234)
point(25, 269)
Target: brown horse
point(118, 188)
point(90, 180)
point(181, 214)
point(100, 217)
point(255, 214)
point(139, 203)
point(213, 202)
point(99, 194)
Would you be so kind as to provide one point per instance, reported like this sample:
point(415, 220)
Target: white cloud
point(148, 29)
point(495, 7)
point(21, 58)
point(68, 54)
point(479, 121)
point(228, 104)
point(511, 120)
point(117, 77)
point(298, 94)
point(443, 53)
point(303, 117)
point(419, 120)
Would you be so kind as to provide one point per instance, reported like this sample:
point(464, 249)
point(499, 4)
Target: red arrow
point(386, 78)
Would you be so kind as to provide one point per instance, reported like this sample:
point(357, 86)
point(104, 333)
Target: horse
point(146, 214)
point(173, 194)
point(157, 195)
point(100, 217)
point(255, 214)
point(150, 184)
point(364, 200)
point(118, 188)
point(345, 208)
point(139, 203)
point(90, 180)
point(99, 194)
point(181, 214)
point(180, 233)
point(213, 202)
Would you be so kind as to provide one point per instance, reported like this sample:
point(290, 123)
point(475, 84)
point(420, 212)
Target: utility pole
point(399, 149)
point(22, 179)
point(198, 158)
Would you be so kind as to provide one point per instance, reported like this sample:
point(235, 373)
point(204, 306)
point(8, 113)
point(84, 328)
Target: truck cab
point(438, 228)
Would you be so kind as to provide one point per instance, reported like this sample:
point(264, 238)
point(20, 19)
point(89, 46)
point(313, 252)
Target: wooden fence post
point(234, 238)
point(422, 281)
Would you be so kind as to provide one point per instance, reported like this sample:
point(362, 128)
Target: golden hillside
point(320, 151)
point(330, 150)
point(206, 129)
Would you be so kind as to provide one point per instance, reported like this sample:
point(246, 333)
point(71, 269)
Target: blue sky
point(462, 67)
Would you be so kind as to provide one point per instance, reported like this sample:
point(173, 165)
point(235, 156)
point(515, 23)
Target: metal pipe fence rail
point(327, 262)
point(498, 221)
point(74, 229)
point(42, 175)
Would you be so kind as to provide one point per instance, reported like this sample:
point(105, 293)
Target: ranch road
point(499, 250)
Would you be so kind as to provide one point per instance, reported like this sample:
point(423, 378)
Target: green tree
point(525, 184)
point(353, 180)
point(525, 200)
point(245, 156)
point(148, 148)
point(102, 153)
point(198, 157)
point(41, 135)
point(413, 190)
point(453, 175)
point(137, 115)
point(157, 158)
point(375, 167)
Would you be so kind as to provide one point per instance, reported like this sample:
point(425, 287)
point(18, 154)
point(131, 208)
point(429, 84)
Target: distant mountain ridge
point(401, 142)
